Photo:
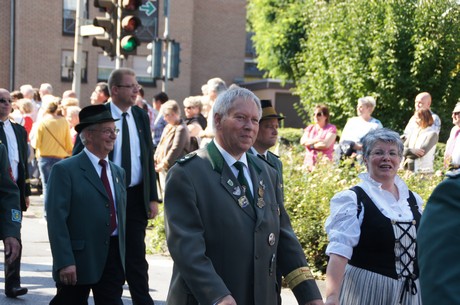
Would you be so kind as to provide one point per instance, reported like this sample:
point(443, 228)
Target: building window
point(69, 12)
point(67, 66)
point(104, 67)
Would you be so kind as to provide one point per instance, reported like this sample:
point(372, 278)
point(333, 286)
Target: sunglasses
point(318, 114)
point(456, 113)
point(4, 100)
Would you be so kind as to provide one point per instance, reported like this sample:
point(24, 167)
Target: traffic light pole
point(164, 87)
point(117, 42)
point(77, 53)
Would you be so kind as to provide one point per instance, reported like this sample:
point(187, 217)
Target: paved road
point(37, 262)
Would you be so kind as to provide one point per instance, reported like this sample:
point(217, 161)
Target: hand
point(27, 202)
point(332, 300)
point(12, 248)
point(158, 168)
point(227, 300)
point(68, 275)
point(153, 209)
point(419, 152)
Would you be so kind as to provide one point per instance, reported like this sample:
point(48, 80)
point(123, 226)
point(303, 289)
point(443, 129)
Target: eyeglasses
point(456, 113)
point(189, 107)
point(108, 131)
point(318, 114)
point(5, 101)
point(381, 153)
point(132, 87)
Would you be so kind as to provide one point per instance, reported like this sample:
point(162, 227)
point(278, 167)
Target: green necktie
point(126, 150)
point(3, 135)
point(242, 180)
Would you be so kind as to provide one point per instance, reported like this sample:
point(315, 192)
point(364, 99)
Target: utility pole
point(117, 41)
point(166, 40)
point(77, 53)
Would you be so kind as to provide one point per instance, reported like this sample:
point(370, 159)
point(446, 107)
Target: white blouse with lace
point(343, 227)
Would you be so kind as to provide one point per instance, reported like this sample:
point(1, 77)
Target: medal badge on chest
point(260, 192)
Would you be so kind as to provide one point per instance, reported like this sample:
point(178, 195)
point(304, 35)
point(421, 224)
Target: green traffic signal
point(129, 43)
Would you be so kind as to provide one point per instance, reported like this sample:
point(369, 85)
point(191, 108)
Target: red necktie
point(105, 181)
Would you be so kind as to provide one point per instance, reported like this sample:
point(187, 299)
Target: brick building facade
point(36, 46)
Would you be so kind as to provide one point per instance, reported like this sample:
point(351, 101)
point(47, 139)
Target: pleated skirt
point(363, 287)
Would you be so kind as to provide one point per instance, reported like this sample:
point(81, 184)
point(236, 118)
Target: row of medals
point(243, 200)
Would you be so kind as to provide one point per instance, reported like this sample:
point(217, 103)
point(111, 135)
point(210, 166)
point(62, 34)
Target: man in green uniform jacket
point(227, 229)
point(438, 244)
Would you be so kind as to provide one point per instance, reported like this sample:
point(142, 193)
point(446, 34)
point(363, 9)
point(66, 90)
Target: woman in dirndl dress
point(372, 232)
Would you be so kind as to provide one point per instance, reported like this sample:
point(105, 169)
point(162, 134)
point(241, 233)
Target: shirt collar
point(116, 112)
point(94, 159)
point(229, 159)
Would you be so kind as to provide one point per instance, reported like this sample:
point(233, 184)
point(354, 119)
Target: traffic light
point(155, 58)
point(173, 60)
point(109, 24)
point(129, 23)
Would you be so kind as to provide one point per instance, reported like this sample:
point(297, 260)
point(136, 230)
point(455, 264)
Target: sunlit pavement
point(36, 266)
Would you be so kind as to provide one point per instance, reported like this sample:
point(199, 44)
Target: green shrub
point(290, 136)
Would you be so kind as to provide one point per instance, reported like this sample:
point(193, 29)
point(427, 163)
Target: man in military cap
point(227, 229)
point(86, 209)
point(267, 136)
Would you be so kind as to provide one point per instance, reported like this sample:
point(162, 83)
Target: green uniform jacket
point(78, 216)
point(438, 243)
point(10, 212)
point(221, 248)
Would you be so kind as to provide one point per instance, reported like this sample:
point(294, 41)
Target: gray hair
point(170, 106)
point(217, 85)
point(381, 135)
point(367, 101)
point(194, 101)
point(82, 136)
point(225, 100)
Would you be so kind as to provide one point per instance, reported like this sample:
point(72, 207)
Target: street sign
point(148, 8)
point(148, 14)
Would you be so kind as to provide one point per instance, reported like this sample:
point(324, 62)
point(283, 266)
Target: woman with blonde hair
point(174, 142)
point(52, 141)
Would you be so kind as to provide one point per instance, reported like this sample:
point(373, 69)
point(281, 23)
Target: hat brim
point(80, 126)
point(272, 116)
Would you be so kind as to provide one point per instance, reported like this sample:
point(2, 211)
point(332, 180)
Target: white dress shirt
point(135, 145)
point(95, 162)
point(13, 150)
point(231, 161)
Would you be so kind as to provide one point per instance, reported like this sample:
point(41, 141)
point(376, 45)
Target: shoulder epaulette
point(269, 152)
point(186, 158)
point(453, 173)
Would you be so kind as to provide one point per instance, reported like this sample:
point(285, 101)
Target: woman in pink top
point(319, 137)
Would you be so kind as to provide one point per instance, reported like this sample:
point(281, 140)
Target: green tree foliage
point(344, 50)
point(278, 26)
